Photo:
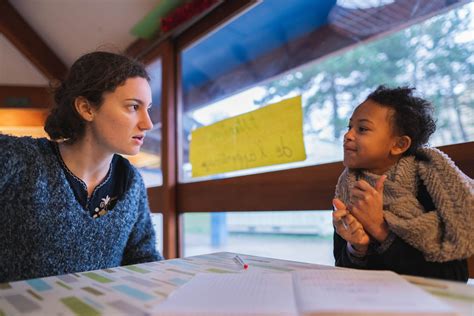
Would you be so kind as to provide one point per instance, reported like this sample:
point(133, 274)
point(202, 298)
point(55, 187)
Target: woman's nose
point(146, 124)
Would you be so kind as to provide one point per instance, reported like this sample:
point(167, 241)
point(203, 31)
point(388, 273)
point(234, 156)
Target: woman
point(71, 203)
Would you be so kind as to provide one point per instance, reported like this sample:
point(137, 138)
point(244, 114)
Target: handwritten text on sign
point(267, 136)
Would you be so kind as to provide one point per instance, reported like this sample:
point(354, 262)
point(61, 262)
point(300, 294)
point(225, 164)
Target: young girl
point(401, 206)
point(71, 203)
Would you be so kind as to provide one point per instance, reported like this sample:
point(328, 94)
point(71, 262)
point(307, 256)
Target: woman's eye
point(363, 129)
point(349, 127)
point(134, 107)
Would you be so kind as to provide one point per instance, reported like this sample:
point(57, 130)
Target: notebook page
point(358, 292)
point(243, 293)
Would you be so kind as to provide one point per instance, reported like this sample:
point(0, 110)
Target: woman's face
point(120, 123)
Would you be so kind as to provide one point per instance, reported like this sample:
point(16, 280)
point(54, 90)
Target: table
point(136, 289)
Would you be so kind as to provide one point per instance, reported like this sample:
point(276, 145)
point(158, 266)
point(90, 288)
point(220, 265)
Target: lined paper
point(233, 294)
point(354, 292)
point(306, 292)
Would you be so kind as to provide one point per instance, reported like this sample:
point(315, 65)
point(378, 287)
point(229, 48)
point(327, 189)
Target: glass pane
point(238, 69)
point(305, 236)
point(157, 221)
point(149, 159)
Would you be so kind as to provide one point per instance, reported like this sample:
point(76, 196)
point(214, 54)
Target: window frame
point(306, 188)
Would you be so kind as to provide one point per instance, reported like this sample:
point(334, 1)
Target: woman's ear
point(84, 109)
point(402, 144)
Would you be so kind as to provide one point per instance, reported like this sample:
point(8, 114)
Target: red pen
point(241, 262)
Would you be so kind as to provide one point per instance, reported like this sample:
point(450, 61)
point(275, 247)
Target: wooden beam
point(29, 43)
point(307, 188)
point(155, 199)
point(171, 225)
point(25, 97)
point(22, 117)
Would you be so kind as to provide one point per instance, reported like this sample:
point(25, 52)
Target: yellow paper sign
point(267, 136)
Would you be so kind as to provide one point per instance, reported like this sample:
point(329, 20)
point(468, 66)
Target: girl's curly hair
point(413, 116)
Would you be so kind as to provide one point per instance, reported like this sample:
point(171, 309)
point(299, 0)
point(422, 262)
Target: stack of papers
point(307, 292)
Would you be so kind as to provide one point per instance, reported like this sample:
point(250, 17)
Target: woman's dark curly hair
point(412, 116)
point(89, 77)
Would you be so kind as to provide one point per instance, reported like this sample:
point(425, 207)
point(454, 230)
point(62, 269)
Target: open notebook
point(307, 292)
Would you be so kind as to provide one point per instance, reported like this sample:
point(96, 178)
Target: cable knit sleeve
point(141, 245)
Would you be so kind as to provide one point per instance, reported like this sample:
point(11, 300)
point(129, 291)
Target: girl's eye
point(349, 127)
point(134, 107)
point(363, 129)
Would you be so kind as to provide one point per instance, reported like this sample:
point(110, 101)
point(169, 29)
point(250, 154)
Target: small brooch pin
point(104, 207)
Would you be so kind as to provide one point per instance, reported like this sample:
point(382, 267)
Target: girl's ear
point(84, 109)
point(402, 144)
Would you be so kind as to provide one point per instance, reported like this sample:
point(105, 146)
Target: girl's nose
point(349, 135)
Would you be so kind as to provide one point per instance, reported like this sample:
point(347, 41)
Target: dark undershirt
point(106, 193)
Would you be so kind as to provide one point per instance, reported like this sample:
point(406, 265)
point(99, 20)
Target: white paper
point(352, 292)
point(244, 293)
point(306, 292)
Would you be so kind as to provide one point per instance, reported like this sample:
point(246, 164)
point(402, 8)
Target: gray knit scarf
point(442, 235)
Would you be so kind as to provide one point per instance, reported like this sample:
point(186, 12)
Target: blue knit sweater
point(45, 231)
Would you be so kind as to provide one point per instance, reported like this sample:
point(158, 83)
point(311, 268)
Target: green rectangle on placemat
point(97, 277)
point(78, 307)
point(137, 269)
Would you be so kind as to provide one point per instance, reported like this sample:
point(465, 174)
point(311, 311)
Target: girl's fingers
point(355, 227)
point(350, 219)
point(338, 204)
point(339, 214)
point(359, 194)
point(363, 185)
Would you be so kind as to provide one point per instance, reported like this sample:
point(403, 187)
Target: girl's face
point(120, 123)
point(369, 142)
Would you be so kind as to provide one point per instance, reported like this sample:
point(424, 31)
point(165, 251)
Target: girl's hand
point(367, 208)
point(349, 228)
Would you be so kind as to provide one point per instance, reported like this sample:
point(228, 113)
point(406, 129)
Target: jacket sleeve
point(141, 245)
point(342, 256)
point(405, 259)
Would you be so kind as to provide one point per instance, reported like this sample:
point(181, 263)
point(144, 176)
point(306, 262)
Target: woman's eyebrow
point(133, 99)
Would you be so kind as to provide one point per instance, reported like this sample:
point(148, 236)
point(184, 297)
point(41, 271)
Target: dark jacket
point(401, 257)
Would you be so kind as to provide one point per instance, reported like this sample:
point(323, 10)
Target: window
point(435, 56)
point(333, 54)
point(301, 236)
point(157, 222)
point(148, 160)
